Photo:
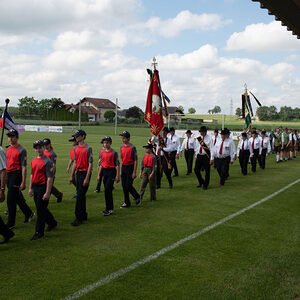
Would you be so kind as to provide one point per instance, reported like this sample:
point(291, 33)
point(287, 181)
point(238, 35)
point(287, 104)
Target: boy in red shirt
point(52, 155)
point(147, 173)
point(128, 171)
point(41, 181)
point(110, 167)
point(16, 179)
point(71, 161)
point(98, 187)
point(83, 164)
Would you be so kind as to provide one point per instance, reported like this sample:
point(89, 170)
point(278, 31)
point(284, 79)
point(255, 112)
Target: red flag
point(153, 112)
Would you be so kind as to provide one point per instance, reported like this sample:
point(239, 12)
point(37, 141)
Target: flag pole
point(116, 117)
point(4, 118)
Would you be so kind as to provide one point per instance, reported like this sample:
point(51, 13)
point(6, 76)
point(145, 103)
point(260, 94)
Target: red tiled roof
point(85, 109)
point(100, 103)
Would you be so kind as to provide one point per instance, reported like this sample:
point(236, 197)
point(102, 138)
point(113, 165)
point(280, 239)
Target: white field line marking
point(161, 252)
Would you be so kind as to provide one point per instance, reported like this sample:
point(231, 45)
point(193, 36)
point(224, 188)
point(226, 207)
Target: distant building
point(175, 114)
point(94, 107)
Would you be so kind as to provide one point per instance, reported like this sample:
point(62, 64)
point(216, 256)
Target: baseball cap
point(188, 131)
point(72, 139)
point(107, 139)
point(79, 132)
point(126, 134)
point(38, 143)
point(12, 132)
point(148, 146)
point(46, 141)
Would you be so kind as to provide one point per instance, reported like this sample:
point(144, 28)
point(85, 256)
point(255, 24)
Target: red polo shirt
point(16, 158)
point(149, 160)
point(83, 156)
point(128, 154)
point(41, 170)
point(109, 159)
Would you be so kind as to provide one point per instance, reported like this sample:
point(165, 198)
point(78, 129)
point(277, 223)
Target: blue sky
point(206, 51)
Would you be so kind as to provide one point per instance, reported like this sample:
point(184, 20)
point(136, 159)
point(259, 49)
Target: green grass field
point(256, 255)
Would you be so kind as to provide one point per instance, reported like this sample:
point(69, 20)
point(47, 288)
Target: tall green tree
point(134, 112)
point(28, 106)
point(109, 115)
point(191, 110)
point(238, 112)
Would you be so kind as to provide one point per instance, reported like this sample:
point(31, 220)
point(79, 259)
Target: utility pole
point(231, 107)
point(116, 117)
point(79, 121)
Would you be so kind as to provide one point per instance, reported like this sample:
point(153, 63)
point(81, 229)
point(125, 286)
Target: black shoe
point(158, 187)
point(59, 199)
point(7, 238)
point(10, 227)
point(138, 201)
point(199, 185)
point(171, 185)
point(36, 236)
point(175, 175)
point(76, 222)
point(124, 205)
point(106, 212)
point(204, 188)
point(6, 212)
point(187, 173)
point(51, 227)
point(30, 218)
point(97, 191)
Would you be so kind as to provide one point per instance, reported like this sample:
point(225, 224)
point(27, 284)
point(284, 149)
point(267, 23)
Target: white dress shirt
point(190, 141)
point(246, 144)
point(257, 145)
point(215, 140)
point(175, 141)
point(265, 143)
point(224, 149)
point(209, 143)
point(171, 144)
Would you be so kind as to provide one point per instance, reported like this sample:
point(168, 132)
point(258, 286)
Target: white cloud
point(263, 37)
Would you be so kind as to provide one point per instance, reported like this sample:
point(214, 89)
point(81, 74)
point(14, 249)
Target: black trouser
point(43, 214)
point(222, 168)
point(173, 162)
point(4, 230)
point(262, 158)
point(55, 191)
point(109, 175)
point(244, 159)
point(98, 187)
point(202, 162)
point(254, 159)
point(189, 157)
point(80, 208)
point(15, 197)
point(163, 168)
point(127, 181)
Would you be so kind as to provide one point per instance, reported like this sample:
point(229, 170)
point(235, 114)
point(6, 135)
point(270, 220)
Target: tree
point(238, 112)
point(180, 107)
point(28, 106)
point(286, 113)
point(109, 115)
point(191, 110)
point(134, 112)
point(266, 113)
point(215, 110)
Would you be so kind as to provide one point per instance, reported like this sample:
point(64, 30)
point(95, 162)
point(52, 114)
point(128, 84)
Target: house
point(175, 114)
point(94, 107)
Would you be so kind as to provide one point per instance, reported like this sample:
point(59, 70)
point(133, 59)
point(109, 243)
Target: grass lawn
point(253, 256)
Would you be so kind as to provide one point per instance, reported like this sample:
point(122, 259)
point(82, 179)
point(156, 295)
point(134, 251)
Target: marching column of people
point(160, 158)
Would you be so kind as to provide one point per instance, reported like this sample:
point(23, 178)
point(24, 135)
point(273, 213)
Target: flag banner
point(165, 97)
point(257, 101)
point(9, 123)
point(153, 112)
point(249, 105)
point(247, 115)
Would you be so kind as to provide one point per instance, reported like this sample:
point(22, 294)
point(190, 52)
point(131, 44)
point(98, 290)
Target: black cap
point(38, 143)
point(79, 132)
point(263, 132)
point(72, 139)
point(101, 142)
point(46, 141)
point(148, 146)
point(125, 134)
point(172, 129)
point(244, 134)
point(166, 129)
point(254, 132)
point(107, 139)
point(216, 131)
point(224, 131)
point(203, 129)
point(188, 131)
point(12, 132)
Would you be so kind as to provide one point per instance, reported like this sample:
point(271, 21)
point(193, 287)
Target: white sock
point(277, 157)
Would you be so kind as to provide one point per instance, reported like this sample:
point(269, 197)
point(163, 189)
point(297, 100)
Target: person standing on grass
point(295, 148)
point(292, 143)
point(83, 164)
point(49, 152)
point(110, 166)
point(147, 173)
point(71, 161)
point(128, 172)
point(98, 187)
point(243, 153)
point(265, 149)
point(284, 144)
point(277, 144)
point(223, 152)
point(40, 186)
point(4, 230)
point(174, 154)
point(255, 150)
point(188, 145)
point(16, 179)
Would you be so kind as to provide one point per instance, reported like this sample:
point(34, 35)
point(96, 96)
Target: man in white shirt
point(265, 148)
point(223, 153)
point(4, 230)
point(243, 153)
point(188, 145)
point(174, 154)
point(203, 150)
point(215, 139)
point(255, 145)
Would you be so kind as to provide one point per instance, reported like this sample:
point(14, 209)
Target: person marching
point(203, 150)
point(128, 172)
point(265, 149)
point(16, 179)
point(277, 144)
point(71, 161)
point(295, 147)
point(98, 187)
point(216, 138)
point(40, 186)
point(110, 167)
point(147, 173)
point(4, 230)
point(174, 154)
point(52, 155)
point(83, 164)
point(284, 144)
point(243, 153)
point(255, 150)
point(292, 143)
point(223, 152)
point(188, 145)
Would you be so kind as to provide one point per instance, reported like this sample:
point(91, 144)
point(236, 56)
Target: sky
point(206, 51)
